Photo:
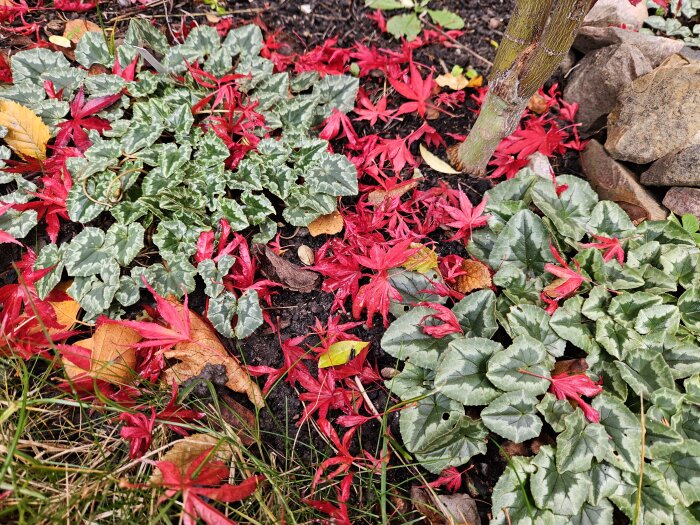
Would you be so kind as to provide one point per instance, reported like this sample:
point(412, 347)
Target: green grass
point(63, 462)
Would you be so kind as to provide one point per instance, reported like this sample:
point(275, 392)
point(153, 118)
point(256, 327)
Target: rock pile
point(639, 98)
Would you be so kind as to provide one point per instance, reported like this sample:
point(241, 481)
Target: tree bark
point(538, 36)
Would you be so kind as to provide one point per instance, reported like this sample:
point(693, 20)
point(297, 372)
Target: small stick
point(365, 396)
point(459, 44)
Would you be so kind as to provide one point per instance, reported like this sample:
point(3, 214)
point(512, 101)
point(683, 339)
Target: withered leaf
point(282, 271)
point(112, 355)
point(376, 197)
point(27, 134)
point(327, 224)
point(478, 276)
point(75, 29)
point(456, 509)
point(423, 260)
point(184, 451)
point(204, 348)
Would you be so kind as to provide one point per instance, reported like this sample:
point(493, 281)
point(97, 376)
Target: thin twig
point(459, 44)
point(365, 396)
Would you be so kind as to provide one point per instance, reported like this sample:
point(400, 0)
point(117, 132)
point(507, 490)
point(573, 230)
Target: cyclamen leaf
point(624, 429)
point(645, 371)
point(250, 315)
point(505, 369)
point(681, 470)
point(461, 371)
point(600, 514)
point(658, 320)
point(87, 254)
point(609, 220)
point(579, 443)
point(413, 381)
point(220, 312)
point(513, 416)
point(523, 242)
point(570, 211)
point(554, 411)
point(689, 307)
point(476, 314)
point(404, 339)
point(124, 241)
point(527, 319)
point(564, 492)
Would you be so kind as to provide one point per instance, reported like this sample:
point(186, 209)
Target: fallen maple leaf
point(111, 357)
point(572, 387)
point(27, 134)
point(477, 276)
point(448, 321)
point(203, 348)
point(184, 452)
point(327, 224)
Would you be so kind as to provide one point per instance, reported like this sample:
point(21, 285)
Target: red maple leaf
point(204, 482)
point(174, 328)
point(74, 6)
point(376, 295)
point(449, 323)
point(81, 111)
point(572, 278)
point(338, 123)
point(466, 217)
point(610, 245)
point(341, 270)
point(450, 478)
point(370, 111)
point(321, 394)
point(138, 429)
point(417, 89)
point(572, 387)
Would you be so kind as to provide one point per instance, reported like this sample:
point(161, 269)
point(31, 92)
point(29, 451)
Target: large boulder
point(607, 13)
point(676, 169)
point(657, 114)
point(598, 79)
point(655, 48)
point(612, 181)
point(683, 200)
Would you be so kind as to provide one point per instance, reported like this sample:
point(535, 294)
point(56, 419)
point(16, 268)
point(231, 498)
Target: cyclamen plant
point(610, 324)
point(201, 142)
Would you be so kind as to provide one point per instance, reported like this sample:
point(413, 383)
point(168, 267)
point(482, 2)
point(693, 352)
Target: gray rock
point(539, 163)
point(614, 13)
point(657, 114)
point(655, 48)
point(612, 181)
point(598, 79)
point(683, 200)
point(676, 169)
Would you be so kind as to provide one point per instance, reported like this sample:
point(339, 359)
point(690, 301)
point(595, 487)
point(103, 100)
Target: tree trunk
point(538, 36)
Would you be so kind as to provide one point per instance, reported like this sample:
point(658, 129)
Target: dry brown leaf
point(27, 134)
point(454, 509)
point(478, 277)
point(537, 104)
point(184, 451)
point(378, 196)
point(204, 348)
point(75, 29)
point(282, 271)
point(327, 224)
point(112, 357)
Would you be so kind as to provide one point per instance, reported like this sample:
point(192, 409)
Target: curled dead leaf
point(478, 277)
point(423, 260)
point(458, 82)
point(550, 289)
point(75, 29)
point(286, 273)
point(378, 196)
point(455, 509)
point(66, 311)
point(60, 41)
point(184, 451)
point(27, 134)
point(112, 356)
point(537, 104)
point(204, 348)
point(327, 224)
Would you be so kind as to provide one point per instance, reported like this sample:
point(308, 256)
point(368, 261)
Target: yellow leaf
point(340, 353)
point(437, 164)
point(60, 41)
point(422, 261)
point(454, 82)
point(27, 135)
point(327, 224)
